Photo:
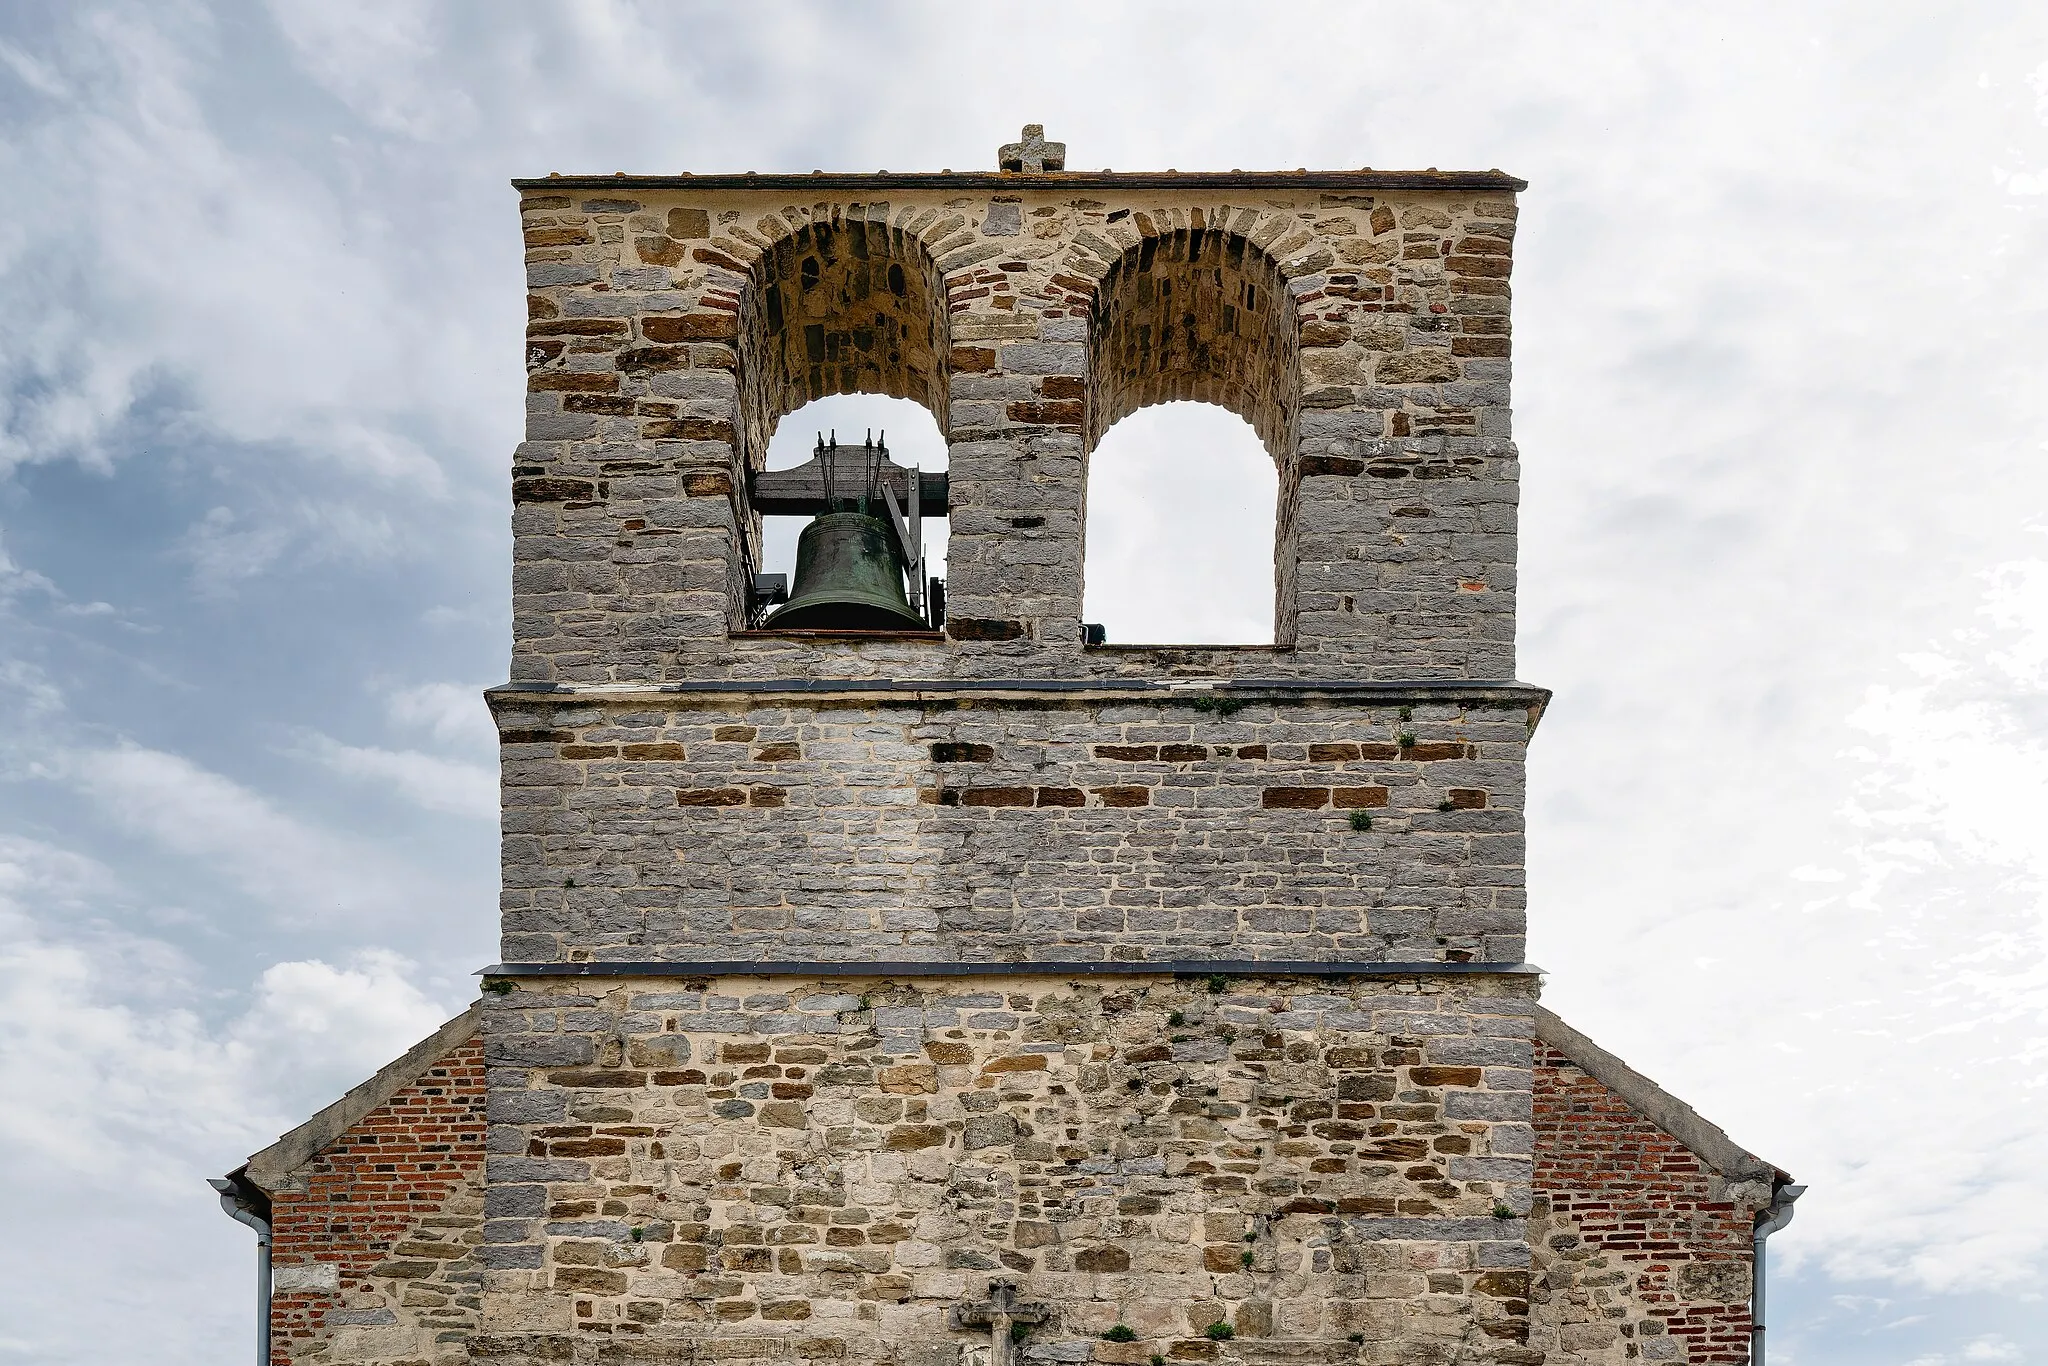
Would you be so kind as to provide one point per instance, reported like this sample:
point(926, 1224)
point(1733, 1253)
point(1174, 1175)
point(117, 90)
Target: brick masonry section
point(1090, 831)
point(1641, 1252)
point(372, 1239)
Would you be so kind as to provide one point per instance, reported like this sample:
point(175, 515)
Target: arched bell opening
point(1186, 535)
point(911, 438)
point(844, 331)
point(1181, 501)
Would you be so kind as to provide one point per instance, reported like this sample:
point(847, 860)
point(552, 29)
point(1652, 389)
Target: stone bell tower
point(967, 992)
point(1182, 987)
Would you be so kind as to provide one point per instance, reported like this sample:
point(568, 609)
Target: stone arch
point(1201, 315)
point(840, 306)
point(1204, 315)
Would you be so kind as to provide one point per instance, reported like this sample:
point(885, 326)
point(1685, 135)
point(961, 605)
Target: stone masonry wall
point(656, 366)
point(728, 827)
point(791, 1169)
point(810, 1169)
point(372, 1239)
point(1641, 1252)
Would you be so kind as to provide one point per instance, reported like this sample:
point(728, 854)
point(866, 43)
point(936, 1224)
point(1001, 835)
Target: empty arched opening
point(1180, 530)
point(1183, 517)
point(843, 327)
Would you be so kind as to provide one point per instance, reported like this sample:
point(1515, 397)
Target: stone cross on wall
point(997, 1314)
point(1034, 154)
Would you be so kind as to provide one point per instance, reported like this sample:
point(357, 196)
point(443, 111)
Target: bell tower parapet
point(1357, 319)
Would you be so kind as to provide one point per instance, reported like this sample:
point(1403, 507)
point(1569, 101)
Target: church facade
point(975, 991)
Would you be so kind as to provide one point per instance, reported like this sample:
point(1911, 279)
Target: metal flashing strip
point(1174, 967)
point(1243, 689)
point(1051, 181)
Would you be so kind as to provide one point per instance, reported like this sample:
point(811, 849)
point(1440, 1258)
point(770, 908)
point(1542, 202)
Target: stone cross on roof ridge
point(1034, 155)
point(997, 1314)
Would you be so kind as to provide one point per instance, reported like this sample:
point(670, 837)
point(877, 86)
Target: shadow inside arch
point(1197, 316)
point(841, 308)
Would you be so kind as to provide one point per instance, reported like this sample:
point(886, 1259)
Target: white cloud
point(36, 75)
point(222, 554)
point(1990, 1348)
point(1955, 878)
point(110, 1061)
point(356, 1017)
point(426, 780)
point(265, 348)
point(20, 586)
point(1962, 752)
point(300, 871)
point(1181, 502)
point(378, 57)
point(454, 713)
point(126, 1086)
point(1903, 956)
point(15, 581)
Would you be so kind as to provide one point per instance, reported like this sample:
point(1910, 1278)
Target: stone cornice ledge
point(1200, 693)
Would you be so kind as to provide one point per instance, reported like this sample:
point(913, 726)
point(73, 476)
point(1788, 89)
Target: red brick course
point(1632, 1191)
point(369, 1189)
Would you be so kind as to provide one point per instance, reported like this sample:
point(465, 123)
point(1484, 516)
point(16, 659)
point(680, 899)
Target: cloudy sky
point(1782, 319)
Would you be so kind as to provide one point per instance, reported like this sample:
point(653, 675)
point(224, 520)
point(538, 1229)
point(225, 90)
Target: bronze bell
point(849, 577)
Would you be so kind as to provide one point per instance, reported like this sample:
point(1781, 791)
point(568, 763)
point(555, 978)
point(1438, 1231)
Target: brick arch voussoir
point(1191, 269)
point(791, 354)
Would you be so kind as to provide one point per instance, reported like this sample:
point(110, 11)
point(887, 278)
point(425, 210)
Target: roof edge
point(1498, 181)
point(1708, 1141)
point(268, 1168)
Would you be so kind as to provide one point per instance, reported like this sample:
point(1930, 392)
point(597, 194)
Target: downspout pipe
point(1768, 1221)
point(246, 1203)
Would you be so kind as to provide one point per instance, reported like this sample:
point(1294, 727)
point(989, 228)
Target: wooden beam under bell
point(800, 492)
